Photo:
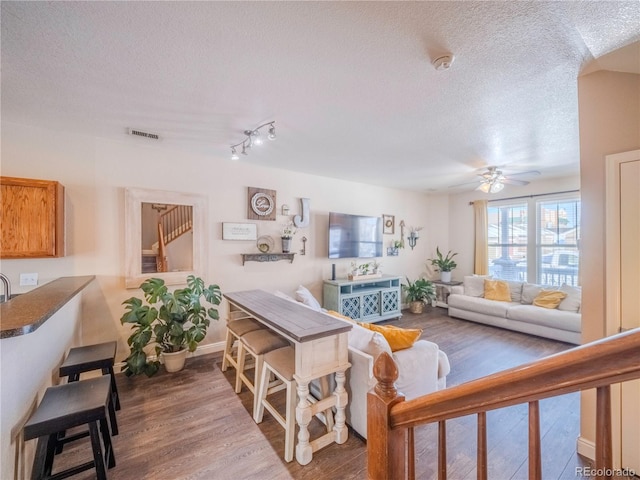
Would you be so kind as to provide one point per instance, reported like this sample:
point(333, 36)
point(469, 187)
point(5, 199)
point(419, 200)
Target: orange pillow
point(397, 338)
point(549, 298)
point(497, 290)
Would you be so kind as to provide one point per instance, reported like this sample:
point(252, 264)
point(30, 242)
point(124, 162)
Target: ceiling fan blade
point(463, 184)
point(509, 181)
point(529, 172)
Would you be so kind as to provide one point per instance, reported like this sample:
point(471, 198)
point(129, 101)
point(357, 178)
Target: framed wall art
point(388, 224)
point(239, 231)
point(262, 204)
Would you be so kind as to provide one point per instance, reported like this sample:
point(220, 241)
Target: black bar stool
point(67, 406)
point(93, 357)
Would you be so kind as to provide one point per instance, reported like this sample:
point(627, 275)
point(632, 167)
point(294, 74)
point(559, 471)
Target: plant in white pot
point(172, 321)
point(444, 264)
point(418, 293)
point(286, 235)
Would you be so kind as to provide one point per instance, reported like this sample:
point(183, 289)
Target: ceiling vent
point(140, 133)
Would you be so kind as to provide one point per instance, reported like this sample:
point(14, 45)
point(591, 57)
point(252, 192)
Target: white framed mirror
point(164, 235)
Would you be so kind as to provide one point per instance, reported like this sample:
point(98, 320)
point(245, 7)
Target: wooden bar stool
point(92, 357)
point(67, 406)
point(236, 328)
point(281, 364)
point(256, 344)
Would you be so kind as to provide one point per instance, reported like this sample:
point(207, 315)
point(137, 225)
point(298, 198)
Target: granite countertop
point(25, 313)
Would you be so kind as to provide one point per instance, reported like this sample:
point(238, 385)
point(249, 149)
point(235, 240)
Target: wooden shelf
point(266, 257)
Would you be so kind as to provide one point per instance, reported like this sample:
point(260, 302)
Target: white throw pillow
point(571, 303)
point(474, 285)
point(280, 294)
point(529, 292)
point(515, 289)
point(368, 341)
point(303, 295)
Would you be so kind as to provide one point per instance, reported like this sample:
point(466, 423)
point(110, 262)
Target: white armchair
point(422, 369)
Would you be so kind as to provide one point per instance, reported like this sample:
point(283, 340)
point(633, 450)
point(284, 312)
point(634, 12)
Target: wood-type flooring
point(191, 424)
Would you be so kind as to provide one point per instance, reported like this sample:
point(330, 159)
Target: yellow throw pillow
point(333, 313)
point(397, 338)
point(497, 290)
point(549, 298)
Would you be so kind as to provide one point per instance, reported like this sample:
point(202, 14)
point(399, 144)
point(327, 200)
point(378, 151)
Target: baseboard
point(200, 350)
point(586, 448)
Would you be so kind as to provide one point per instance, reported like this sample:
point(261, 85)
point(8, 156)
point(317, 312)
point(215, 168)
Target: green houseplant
point(444, 264)
point(172, 321)
point(419, 292)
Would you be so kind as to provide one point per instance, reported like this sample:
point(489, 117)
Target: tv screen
point(354, 236)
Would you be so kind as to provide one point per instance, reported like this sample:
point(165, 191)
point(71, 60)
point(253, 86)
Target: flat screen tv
point(354, 236)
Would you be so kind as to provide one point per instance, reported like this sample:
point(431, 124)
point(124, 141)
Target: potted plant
point(172, 321)
point(444, 264)
point(418, 293)
point(287, 233)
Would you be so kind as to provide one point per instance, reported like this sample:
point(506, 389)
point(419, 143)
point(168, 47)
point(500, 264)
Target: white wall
point(95, 172)
point(609, 108)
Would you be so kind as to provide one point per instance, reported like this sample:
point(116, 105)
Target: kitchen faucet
point(7, 287)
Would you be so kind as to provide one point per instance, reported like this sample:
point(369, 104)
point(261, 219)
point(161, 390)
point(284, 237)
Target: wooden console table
point(321, 349)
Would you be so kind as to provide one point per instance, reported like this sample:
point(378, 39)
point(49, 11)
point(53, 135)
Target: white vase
point(174, 362)
point(445, 277)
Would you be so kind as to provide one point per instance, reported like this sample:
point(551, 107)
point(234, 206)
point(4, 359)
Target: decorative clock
point(262, 204)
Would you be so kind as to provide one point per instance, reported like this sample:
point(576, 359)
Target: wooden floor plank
point(191, 425)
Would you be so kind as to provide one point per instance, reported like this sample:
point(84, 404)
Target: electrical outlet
point(28, 279)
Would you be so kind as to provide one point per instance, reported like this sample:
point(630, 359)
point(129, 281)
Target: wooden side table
point(443, 290)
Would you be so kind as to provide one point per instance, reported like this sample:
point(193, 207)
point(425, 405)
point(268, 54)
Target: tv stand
point(364, 300)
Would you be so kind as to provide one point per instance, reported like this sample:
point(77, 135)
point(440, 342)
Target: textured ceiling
point(350, 84)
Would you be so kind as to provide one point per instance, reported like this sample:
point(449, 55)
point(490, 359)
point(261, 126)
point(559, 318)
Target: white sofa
point(422, 369)
point(564, 323)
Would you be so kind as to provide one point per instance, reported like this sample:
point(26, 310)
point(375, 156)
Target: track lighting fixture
point(253, 137)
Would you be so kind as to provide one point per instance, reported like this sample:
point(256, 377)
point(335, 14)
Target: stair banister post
point(385, 447)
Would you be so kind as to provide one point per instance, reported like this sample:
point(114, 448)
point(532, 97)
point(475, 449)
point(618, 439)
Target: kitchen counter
point(25, 313)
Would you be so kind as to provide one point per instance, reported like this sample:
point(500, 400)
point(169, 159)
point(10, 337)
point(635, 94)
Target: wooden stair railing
point(597, 365)
point(176, 222)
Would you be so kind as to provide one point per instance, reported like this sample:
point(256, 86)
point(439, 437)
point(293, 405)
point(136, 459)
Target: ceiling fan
point(494, 180)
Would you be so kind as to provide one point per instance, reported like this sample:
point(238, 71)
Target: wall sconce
point(253, 138)
point(413, 237)
point(285, 209)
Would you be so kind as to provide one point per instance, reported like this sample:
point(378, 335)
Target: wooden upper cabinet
point(31, 218)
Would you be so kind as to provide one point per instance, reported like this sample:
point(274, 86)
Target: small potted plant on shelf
point(444, 264)
point(286, 235)
point(172, 321)
point(419, 292)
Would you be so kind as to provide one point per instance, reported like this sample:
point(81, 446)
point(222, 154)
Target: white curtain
point(481, 238)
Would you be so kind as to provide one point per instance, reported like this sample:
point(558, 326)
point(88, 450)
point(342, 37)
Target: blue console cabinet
point(364, 300)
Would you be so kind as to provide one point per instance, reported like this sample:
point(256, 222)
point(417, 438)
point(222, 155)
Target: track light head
point(272, 132)
point(234, 154)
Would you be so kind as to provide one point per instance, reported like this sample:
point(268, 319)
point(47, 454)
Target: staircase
point(391, 420)
point(172, 225)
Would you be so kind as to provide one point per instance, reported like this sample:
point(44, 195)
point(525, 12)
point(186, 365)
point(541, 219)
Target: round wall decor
point(262, 204)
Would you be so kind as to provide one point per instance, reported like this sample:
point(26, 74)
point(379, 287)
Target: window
point(543, 250)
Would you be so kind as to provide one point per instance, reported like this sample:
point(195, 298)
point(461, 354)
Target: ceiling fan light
point(484, 187)
point(496, 187)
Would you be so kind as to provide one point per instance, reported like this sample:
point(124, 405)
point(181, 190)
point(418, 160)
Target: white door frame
point(612, 277)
